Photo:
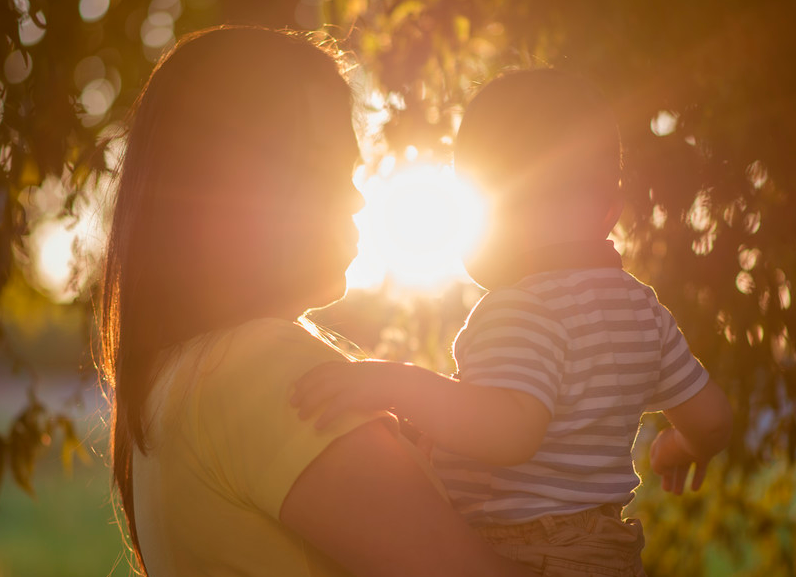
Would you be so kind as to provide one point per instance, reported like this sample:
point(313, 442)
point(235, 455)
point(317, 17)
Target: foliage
point(31, 432)
point(739, 523)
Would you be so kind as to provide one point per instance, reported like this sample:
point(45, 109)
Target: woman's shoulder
point(272, 331)
point(243, 373)
point(257, 358)
point(272, 336)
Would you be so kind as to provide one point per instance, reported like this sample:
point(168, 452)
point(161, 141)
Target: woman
point(233, 217)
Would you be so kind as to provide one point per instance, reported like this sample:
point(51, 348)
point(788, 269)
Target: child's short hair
point(541, 134)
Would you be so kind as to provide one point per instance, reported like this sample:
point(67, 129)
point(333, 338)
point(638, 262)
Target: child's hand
point(671, 459)
point(363, 385)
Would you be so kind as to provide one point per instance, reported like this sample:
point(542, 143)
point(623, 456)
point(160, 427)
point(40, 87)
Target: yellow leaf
point(30, 175)
point(405, 10)
point(462, 27)
point(67, 456)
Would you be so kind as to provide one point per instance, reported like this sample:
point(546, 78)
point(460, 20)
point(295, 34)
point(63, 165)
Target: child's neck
point(549, 235)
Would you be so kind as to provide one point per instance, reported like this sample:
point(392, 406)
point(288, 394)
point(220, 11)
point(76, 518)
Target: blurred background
point(705, 94)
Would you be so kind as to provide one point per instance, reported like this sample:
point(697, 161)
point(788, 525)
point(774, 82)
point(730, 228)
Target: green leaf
point(72, 446)
point(3, 451)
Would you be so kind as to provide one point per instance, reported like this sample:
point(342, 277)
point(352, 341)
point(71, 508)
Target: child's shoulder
point(547, 293)
point(510, 305)
point(515, 296)
point(555, 283)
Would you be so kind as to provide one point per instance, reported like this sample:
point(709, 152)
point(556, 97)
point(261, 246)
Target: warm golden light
point(65, 254)
point(54, 262)
point(417, 224)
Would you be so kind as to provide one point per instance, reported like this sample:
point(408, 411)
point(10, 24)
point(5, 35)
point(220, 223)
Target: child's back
point(596, 347)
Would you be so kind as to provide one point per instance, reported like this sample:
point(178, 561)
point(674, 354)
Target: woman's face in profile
point(277, 230)
point(319, 237)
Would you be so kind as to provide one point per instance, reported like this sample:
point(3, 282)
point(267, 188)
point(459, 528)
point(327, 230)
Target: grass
point(67, 530)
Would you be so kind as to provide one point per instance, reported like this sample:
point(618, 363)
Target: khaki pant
point(592, 543)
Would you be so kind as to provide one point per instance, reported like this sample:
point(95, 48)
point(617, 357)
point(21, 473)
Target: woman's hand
point(671, 458)
point(337, 387)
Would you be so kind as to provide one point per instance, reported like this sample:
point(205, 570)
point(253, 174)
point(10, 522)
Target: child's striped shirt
point(598, 349)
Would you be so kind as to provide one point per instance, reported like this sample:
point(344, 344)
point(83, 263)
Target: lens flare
point(417, 225)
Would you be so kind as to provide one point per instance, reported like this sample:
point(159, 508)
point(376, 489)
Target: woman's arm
point(367, 504)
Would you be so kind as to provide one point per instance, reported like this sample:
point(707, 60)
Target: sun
point(417, 225)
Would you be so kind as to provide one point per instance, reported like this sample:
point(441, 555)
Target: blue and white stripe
point(598, 349)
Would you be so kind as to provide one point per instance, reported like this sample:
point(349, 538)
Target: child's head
point(544, 147)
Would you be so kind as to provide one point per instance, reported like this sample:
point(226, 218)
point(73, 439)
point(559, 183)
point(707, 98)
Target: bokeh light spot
point(93, 10)
point(784, 295)
point(664, 123)
point(17, 67)
point(88, 69)
point(699, 217)
point(747, 257)
point(157, 30)
point(29, 32)
point(744, 282)
point(659, 216)
point(97, 97)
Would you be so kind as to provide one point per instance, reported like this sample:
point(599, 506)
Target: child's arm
point(701, 428)
point(493, 425)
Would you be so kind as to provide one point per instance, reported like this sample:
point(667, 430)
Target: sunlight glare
point(54, 259)
point(66, 252)
point(417, 224)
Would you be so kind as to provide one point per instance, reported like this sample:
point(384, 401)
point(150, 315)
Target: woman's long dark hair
point(217, 129)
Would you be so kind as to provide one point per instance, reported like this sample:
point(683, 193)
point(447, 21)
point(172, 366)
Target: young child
point(557, 363)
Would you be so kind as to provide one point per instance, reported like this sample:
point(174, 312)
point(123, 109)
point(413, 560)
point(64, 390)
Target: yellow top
point(225, 447)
